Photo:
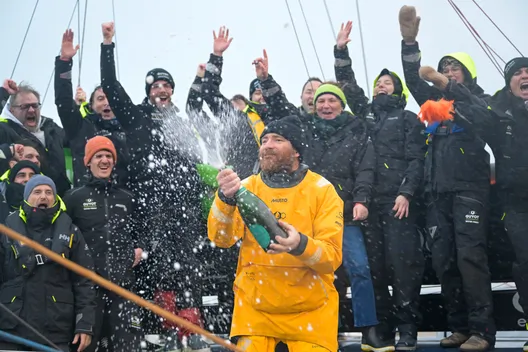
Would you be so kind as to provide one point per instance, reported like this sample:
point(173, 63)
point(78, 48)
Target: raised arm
point(411, 57)
point(356, 99)
point(279, 106)
point(67, 108)
point(213, 73)
point(8, 88)
point(127, 113)
point(194, 98)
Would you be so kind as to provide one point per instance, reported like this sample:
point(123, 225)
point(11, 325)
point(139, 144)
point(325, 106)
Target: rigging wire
point(486, 48)
point(363, 48)
point(79, 31)
point(53, 71)
point(297, 36)
point(311, 39)
point(496, 26)
point(474, 30)
point(82, 41)
point(24, 40)
point(330, 20)
point(115, 36)
point(27, 325)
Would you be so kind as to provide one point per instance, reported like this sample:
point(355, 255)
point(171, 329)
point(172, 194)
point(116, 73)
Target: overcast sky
point(177, 35)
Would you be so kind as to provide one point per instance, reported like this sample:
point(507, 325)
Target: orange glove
point(436, 111)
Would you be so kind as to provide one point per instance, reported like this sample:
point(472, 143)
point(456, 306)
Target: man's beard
point(32, 128)
point(276, 163)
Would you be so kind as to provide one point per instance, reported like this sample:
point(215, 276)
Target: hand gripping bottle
point(259, 219)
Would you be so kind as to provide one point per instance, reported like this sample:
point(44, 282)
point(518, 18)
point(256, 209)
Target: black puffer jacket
point(340, 151)
point(79, 129)
point(56, 301)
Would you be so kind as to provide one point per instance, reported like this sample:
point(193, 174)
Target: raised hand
point(108, 32)
point(261, 66)
point(80, 96)
point(10, 86)
point(222, 41)
point(343, 35)
point(200, 72)
point(409, 24)
point(67, 49)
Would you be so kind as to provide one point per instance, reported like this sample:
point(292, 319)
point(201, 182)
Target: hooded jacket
point(396, 133)
point(52, 151)
point(57, 302)
point(278, 294)
point(80, 127)
point(456, 159)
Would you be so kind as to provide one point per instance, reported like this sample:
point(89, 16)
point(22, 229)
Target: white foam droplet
point(177, 266)
point(149, 79)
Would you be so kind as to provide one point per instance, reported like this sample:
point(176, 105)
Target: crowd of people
point(346, 185)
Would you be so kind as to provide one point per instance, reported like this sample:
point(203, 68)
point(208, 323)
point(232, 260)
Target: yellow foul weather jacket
point(285, 296)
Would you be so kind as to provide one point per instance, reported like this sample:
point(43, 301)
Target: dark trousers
point(516, 224)
point(458, 224)
point(117, 324)
point(395, 255)
point(8, 346)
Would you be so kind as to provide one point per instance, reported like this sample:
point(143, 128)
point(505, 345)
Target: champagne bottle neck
point(241, 191)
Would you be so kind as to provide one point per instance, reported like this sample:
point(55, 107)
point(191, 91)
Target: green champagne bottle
point(259, 219)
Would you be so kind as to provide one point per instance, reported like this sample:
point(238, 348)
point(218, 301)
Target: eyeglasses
point(35, 106)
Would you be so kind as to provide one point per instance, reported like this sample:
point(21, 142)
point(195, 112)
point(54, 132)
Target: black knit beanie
point(290, 128)
point(513, 66)
point(22, 165)
point(157, 74)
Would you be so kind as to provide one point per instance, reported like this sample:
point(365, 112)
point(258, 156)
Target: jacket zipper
point(106, 230)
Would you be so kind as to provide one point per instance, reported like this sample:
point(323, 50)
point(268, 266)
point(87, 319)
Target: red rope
point(487, 49)
point(496, 26)
point(476, 32)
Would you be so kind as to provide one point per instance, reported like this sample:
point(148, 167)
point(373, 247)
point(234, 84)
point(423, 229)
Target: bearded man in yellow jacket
point(287, 293)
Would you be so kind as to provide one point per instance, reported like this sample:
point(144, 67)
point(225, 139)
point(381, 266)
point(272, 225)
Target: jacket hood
point(467, 63)
point(9, 116)
point(405, 90)
point(41, 218)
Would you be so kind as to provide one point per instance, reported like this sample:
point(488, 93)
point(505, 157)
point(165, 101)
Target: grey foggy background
point(177, 35)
